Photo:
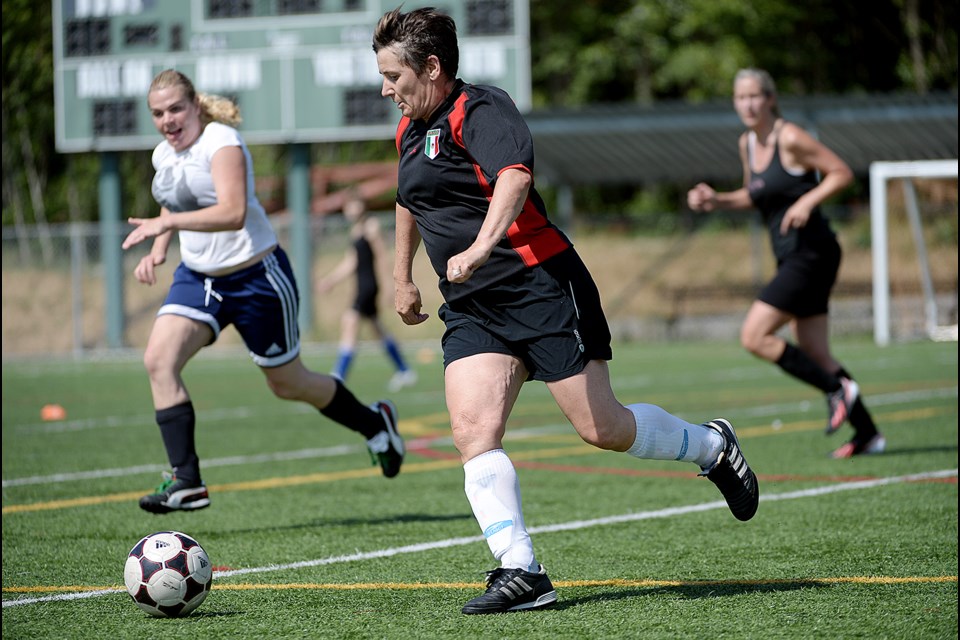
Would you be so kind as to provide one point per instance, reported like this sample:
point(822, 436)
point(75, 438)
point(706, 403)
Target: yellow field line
point(434, 465)
point(312, 478)
point(615, 582)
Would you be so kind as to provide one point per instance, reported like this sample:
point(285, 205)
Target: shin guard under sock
point(345, 409)
point(493, 490)
point(801, 366)
point(177, 427)
point(662, 436)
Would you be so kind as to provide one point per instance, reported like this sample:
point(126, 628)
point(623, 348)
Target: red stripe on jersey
point(401, 128)
point(533, 241)
point(529, 234)
point(456, 118)
point(520, 167)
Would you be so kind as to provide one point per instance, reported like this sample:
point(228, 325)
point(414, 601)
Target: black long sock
point(801, 366)
point(177, 426)
point(860, 418)
point(351, 413)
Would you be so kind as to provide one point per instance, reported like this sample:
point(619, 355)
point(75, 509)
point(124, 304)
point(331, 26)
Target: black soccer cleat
point(513, 590)
point(387, 448)
point(176, 495)
point(732, 475)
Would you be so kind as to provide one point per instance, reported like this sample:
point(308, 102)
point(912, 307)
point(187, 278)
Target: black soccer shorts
point(549, 316)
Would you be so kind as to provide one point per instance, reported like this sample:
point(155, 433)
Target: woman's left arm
point(228, 170)
point(801, 150)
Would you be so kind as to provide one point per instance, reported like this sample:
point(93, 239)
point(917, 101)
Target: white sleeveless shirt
point(183, 182)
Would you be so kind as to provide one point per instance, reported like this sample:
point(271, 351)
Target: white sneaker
point(402, 379)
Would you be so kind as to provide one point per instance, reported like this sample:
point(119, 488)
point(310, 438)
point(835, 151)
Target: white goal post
point(880, 174)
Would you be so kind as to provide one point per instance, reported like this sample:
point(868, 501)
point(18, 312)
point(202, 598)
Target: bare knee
point(758, 335)
point(474, 435)
point(158, 364)
point(752, 341)
point(284, 389)
point(293, 381)
point(762, 345)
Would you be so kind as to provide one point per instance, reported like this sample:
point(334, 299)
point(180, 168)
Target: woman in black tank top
point(787, 174)
point(360, 262)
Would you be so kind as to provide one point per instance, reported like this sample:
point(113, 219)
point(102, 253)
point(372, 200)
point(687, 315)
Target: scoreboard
point(300, 70)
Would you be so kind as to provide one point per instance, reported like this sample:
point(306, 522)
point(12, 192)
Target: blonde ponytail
point(214, 108)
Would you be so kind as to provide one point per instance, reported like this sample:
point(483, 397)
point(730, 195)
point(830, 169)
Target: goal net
point(918, 300)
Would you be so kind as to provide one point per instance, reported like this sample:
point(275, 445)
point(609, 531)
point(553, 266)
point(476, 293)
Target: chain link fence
point(693, 286)
point(55, 296)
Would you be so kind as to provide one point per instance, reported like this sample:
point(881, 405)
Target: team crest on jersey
point(432, 146)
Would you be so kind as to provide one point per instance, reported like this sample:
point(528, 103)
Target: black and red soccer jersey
point(449, 167)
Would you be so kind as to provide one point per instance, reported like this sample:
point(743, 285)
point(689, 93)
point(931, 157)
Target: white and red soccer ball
point(168, 574)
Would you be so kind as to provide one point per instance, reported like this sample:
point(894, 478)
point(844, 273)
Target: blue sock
point(343, 363)
point(394, 352)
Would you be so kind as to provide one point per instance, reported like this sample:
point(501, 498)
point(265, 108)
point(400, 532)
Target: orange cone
point(53, 412)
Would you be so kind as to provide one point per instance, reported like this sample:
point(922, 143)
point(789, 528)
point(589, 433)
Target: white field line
point(303, 454)
point(878, 400)
point(210, 415)
point(562, 526)
point(300, 454)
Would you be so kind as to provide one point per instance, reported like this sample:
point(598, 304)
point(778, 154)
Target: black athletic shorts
point(365, 302)
point(549, 316)
point(803, 283)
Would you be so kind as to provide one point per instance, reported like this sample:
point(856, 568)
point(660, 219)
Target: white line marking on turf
point(211, 415)
point(78, 595)
point(299, 454)
point(878, 400)
point(303, 454)
point(289, 408)
point(551, 528)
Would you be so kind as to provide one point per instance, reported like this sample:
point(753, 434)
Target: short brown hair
point(417, 35)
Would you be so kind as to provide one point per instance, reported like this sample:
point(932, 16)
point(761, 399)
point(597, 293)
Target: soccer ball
point(168, 574)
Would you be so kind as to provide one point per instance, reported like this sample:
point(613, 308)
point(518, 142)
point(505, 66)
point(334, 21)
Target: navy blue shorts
point(262, 301)
point(803, 283)
point(549, 316)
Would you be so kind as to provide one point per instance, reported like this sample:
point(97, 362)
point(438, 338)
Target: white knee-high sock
point(493, 490)
point(662, 436)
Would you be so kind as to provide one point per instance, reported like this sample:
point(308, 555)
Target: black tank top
point(773, 191)
point(366, 274)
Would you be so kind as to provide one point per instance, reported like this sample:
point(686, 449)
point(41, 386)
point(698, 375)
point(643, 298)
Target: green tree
point(583, 51)
point(27, 109)
point(649, 50)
